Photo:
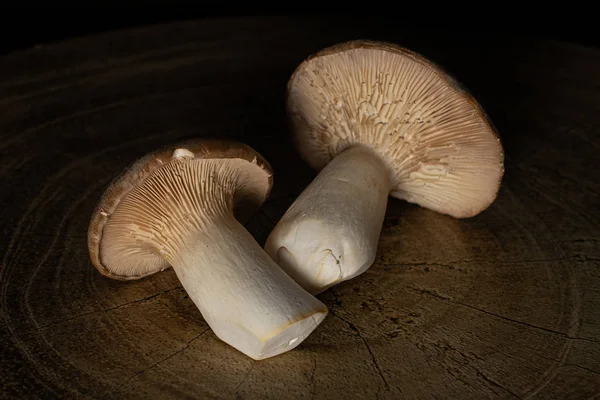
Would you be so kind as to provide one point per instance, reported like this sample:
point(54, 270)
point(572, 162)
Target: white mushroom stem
point(331, 232)
point(246, 299)
point(184, 215)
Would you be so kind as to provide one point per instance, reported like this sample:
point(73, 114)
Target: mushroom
point(181, 206)
point(375, 119)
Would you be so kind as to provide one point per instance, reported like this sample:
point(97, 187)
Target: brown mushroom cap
point(252, 189)
point(440, 147)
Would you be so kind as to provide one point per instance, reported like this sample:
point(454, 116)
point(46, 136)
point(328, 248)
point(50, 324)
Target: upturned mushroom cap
point(154, 175)
point(441, 150)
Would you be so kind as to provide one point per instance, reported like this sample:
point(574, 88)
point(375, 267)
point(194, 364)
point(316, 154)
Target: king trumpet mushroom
point(181, 206)
point(377, 120)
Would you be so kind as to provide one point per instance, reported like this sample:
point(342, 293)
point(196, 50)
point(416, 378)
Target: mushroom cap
point(441, 149)
point(250, 195)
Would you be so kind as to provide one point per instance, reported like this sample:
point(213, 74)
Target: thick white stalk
point(244, 296)
point(331, 232)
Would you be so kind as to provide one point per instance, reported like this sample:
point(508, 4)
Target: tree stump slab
point(500, 306)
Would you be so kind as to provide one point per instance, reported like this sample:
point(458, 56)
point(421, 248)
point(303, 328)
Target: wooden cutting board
point(504, 305)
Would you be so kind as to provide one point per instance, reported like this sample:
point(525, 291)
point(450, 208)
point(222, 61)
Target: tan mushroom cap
point(441, 149)
point(251, 191)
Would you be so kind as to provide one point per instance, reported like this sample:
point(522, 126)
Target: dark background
point(22, 28)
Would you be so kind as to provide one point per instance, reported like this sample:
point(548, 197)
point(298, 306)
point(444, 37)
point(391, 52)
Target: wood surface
point(501, 306)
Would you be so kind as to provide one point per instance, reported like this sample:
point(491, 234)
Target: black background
point(22, 28)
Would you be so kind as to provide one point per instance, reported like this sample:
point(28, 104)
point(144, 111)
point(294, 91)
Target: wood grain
point(504, 305)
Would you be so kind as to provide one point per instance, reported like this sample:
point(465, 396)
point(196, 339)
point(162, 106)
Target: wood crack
point(239, 386)
point(107, 310)
point(188, 344)
point(451, 264)
point(563, 363)
point(494, 383)
point(313, 386)
point(441, 297)
point(367, 346)
point(372, 356)
point(581, 240)
point(417, 264)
